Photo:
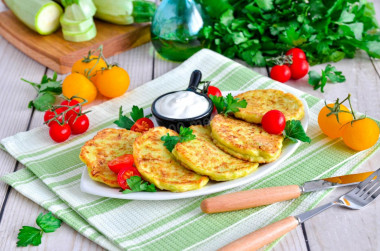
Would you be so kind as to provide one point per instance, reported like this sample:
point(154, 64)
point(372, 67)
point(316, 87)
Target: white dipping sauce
point(182, 105)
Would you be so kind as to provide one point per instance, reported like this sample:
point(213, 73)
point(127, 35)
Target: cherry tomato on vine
point(360, 134)
point(121, 162)
point(59, 133)
point(142, 125)
point(299, 69)
point(78, 124)
point(50, 114)
point(280, 73)
point(329, 124)
point(125, 174)
point(297, 54)
point(273, 122)
point(71, 103)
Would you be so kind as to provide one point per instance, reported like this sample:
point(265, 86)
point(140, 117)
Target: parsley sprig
point(185, 134)
point(228, 104)
point(32, 236)
point(330, 73)
point(46, 89)
point(136, 114)
point(136, 184)
point(294, 131)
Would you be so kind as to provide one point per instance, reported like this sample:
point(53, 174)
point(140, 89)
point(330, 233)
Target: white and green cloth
point(53, 173)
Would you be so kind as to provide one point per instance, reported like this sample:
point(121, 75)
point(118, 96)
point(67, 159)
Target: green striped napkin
point(53, 173)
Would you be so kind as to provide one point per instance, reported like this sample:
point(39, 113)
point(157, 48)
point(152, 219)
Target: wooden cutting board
point(58, 54)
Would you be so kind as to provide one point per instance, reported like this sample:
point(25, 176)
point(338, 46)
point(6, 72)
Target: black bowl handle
point(195, 79)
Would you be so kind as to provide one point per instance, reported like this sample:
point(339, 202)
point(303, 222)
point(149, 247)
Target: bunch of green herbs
point(327, 30)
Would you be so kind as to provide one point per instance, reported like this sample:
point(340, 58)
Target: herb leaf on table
point(329, 73)
point(47, 89)
point(32, 236)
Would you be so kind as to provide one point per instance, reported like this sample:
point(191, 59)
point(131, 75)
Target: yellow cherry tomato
point(329, 124)
point(361, 134)
point(77, 84)
point(112, 82)
point(83, 65)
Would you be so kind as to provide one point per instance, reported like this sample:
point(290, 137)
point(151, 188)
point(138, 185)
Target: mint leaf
point(294, 131)
point(48, 223)
point(124, 121)
point(29, 236)
point(137, 113)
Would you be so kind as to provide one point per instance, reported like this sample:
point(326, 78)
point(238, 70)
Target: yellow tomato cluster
point(357, 134)
point(93, 74)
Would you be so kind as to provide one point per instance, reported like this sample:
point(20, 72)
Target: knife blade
point(333, 182)
point(269, 195)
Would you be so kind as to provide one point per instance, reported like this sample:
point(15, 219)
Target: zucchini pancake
point(107, 145)
point(245, 140)
point(158, 166)
point(260, 102)
point(202, 156)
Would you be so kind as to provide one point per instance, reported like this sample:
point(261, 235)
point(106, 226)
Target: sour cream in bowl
point(183, 108)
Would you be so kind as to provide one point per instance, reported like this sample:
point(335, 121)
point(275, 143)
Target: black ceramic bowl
point(175, 124)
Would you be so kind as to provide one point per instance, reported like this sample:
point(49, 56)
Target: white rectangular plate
point(96, 188)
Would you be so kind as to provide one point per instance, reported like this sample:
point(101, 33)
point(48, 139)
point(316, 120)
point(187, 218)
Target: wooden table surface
point(336, 229)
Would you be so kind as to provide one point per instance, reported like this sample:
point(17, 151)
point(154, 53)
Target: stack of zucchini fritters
point(230, 148)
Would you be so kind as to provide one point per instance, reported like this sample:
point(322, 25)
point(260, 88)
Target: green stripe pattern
point(52, 177)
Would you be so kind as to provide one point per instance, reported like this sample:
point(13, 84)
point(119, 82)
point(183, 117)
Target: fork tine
point(367, 188)
point(374, 195)
point(373, 189)
point(362, 185)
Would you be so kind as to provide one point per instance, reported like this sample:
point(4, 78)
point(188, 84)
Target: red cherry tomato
point(297, 54)
point(79, 124)
point(59, 133)
point(142, 125)
point(273, 122)
point(281, 73)
point(71, 103)
point(212, 90)
point(50, 114)
point(125, 174)
point(299, 69)
point(121, 162)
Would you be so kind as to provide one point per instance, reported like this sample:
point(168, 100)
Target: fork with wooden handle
point(357, 198)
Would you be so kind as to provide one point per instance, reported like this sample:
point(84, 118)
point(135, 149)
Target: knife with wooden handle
point(270, 195)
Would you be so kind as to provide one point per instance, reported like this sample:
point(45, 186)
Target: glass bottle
point(175, 29)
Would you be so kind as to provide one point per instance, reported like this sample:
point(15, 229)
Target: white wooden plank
point(63, 239)
point(14, 98)
point(341, 229)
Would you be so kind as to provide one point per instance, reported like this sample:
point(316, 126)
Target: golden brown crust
point(105, 146)
point(260, 102)
point(158, 166)
point(245, 140)
point(202, 156)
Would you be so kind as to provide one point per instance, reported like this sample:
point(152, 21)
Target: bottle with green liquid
point(175, 29)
